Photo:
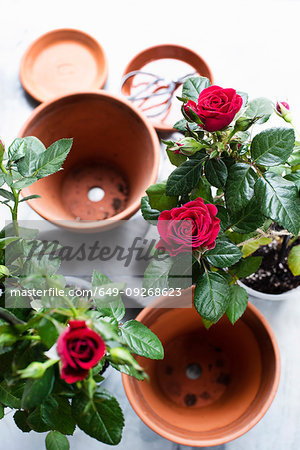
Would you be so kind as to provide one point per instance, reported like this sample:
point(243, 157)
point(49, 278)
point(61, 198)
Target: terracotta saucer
point(161, 60)
point(61, 62)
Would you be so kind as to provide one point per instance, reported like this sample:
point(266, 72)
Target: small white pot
point(292, 294)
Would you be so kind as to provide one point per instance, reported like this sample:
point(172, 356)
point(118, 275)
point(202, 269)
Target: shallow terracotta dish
point(115, 150)
point(213, 385)
point(145, 61)
point(63, 61)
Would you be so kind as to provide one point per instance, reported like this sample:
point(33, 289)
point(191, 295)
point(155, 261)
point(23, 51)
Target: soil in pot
point(274, 275)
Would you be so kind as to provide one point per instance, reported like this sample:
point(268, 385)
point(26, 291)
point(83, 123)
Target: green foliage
point(273, 146)
point(185, 177)
point(141, 340)
point(225, 254)
point(260, 109)
point(100, 417)
point(193, 87)
point(158, 199)
point(238, 300)
point(294, 260)
point(279, 199)
point(211, 297)
point(56, 441)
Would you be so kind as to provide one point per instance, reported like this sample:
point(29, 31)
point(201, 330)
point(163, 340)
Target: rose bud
point(283, 110)
point(190, 105)
point(80, 349)
point(244, 123)
point(188, 227)
point(188, 146)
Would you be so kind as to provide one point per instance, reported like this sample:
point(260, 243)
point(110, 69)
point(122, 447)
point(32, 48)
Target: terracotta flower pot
point(115, 150)
point(213, 385)
point(61, 62)
point(166, 52)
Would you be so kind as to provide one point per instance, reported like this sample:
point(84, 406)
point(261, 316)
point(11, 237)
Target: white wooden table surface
point(251, 46)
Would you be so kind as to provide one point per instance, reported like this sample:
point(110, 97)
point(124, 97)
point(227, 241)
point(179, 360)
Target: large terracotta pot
point(213, 385)
point(115, 148)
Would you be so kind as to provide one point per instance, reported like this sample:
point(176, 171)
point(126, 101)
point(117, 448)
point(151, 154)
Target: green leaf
point(238, 300)
point(129, 370)
point(294, 260)
point(47, 331)
point(240, 186)
point(1, 411)
point(158, 198)
point(183, 179)
point(116, 308)
point(216, 172)
point(56, 441)
point(34, 148)
point(246, 266)
point(251, 246)
point(6, 194)
point(36, 421)
point(248, 219)
point(244, 96)
point(202, 190)
point(11, 395)
point(279, 200)
point(17, 149)
point(1, 179)
point(57, 413)
point(176, 158)
point(43, 164)
point(295, 178)
point(20, 418)
point(211, 296)
point(294, 159)
point(52, 160)
point(141, 340)
point(273, 146)
point(223, 215)
point(149, 213)
point(30, 197)
point(183, 126)
point(156, 274)
point(224, 254)
point(36, 390)
point(194, 86)
point(24, 183)
point(260, 107)
point(100, 417)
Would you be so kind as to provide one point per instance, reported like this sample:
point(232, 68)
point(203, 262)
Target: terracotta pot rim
point(94, 225)
point(128, 382)
point(271, 297)
point(160, 127)
point(27, 86)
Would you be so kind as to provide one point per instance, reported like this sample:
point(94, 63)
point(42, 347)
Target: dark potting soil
point(274, 275)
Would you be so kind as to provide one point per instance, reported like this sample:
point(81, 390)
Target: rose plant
point(230, 193)
point(55, 347)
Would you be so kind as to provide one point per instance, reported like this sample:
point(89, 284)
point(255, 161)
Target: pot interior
point(212, 384)
point(111, 162)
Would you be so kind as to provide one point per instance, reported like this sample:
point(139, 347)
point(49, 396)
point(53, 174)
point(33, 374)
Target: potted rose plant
point(55, 344)
point(237, 195)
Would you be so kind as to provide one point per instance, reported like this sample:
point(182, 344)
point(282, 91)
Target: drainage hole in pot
point(193, 371)
point(96, 194)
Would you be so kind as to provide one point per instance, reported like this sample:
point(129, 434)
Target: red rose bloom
point(188, 227)
point(79, 349)
point(216, 107)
